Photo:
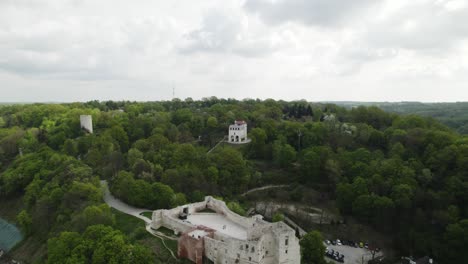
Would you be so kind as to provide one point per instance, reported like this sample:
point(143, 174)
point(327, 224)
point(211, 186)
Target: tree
point(455, 241)
point(93, 215)
point(119, 134)
point(182, 116)
point(257, 146)
point(232, 169)
point(363, 206)
point(283, 154)
point(70, 147)
point(310, 166)
point(236, 208)
point(25, 222)
point(65, 249)
point(99, 244)
point(345, 197)
point(212, 122)
point(312, 248)
point(133, 155)
point(277, 217)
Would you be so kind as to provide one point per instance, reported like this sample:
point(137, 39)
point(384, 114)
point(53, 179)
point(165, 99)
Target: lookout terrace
point(223, 236)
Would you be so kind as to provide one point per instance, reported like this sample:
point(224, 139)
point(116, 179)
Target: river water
point(9, 235)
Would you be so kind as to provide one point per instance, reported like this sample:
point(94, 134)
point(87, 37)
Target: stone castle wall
point(266, 243)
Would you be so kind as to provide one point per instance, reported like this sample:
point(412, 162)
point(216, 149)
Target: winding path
point(136, 212)
point(264, 188)
point(121, 206)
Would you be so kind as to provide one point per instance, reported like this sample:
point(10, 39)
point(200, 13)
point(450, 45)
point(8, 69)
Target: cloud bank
point(388, 50)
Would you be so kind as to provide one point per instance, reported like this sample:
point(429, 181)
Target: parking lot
point(352, 255)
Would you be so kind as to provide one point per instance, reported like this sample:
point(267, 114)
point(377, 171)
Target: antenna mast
point(173, 91)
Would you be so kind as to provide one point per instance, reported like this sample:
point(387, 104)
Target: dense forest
point(454, 115)
point(404, 175)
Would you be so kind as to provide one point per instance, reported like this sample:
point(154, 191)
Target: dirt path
point(264, 188)
point(221, 141)
point(162, 237)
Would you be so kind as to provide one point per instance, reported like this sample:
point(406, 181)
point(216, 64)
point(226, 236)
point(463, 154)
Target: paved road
point(121, 206)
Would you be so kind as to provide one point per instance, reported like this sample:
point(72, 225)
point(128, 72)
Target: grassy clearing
point(166, 231)
point(126, 223)
point(147, 214)
point(134, 228)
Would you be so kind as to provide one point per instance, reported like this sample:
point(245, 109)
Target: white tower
point(238, 132)
point(86, 122)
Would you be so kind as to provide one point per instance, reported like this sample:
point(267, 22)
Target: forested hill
point(454, 115)
point(404, 175)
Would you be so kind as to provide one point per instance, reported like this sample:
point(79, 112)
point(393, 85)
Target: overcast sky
point(333, 50)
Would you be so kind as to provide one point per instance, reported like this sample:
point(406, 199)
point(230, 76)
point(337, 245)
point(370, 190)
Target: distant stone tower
point(86, 122)
point(238, 132)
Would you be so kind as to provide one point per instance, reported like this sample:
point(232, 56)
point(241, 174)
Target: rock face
point(226, 237)
point(305, 213)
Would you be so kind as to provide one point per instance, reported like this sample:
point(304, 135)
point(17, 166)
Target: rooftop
point(198, 233)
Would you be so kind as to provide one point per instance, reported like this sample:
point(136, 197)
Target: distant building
point(86, 123)
point(238, 132)
point(329, 118)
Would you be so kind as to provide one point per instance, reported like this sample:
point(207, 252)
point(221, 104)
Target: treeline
point(99, 244)
point(405, 175)
point(454, 115)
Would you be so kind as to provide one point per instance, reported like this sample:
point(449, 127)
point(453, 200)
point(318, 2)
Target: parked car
point(366, 245)
point(338, 242)
point(333, 242)
point(327, 242)
point(336, 257)
point(341, 258)
point(361, 245)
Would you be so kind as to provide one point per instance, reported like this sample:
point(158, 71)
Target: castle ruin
point(225, 237)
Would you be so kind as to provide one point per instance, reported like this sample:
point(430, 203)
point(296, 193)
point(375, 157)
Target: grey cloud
point(84, 49)
point(220, 33)
point(311, 12)
point(424, 27)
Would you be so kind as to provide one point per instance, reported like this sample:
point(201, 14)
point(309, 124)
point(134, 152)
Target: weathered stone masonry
point(257, 242)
